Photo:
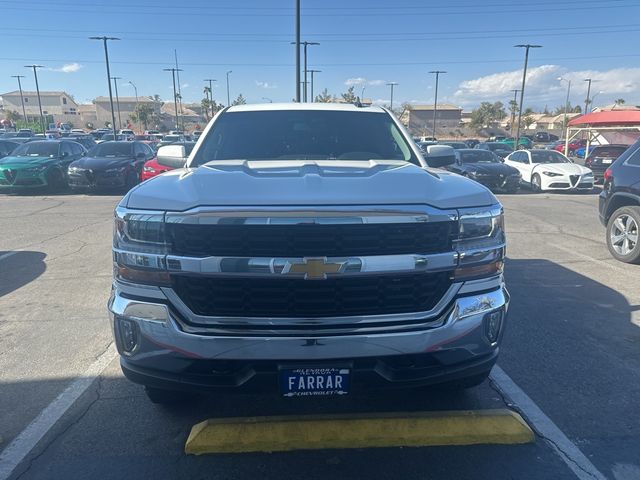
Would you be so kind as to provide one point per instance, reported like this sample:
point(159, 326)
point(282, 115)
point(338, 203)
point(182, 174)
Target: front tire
point(622, 234)
point(536, 183)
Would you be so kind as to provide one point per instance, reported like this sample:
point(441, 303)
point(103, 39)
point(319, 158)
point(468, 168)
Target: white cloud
point(543, 86)
point(185, 85)
point(67, 68)
point(265, 85)
point(351, 82)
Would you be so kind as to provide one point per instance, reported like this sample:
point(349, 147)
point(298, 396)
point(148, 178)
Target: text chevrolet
point(307, 248)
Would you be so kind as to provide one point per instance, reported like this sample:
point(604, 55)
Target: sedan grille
point(334, 297)
point(574, 179)
point(306, 240)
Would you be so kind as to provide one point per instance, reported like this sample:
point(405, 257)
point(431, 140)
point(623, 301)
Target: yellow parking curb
point(415, 429)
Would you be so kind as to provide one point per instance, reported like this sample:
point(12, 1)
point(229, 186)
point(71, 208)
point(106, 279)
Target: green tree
point(240, 100)
point(349, 96)
point(528, 120)
point(12, 116)
point(486, 114)
point(143, 113)
point(325, 97)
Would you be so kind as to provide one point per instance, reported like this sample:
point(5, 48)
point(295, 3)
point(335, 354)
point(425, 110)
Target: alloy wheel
point(624, 234)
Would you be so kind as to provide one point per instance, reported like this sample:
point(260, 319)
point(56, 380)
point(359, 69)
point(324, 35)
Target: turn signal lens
point(149, 277)
point(478, 271)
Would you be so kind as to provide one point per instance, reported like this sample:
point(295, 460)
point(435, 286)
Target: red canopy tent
point(610, 126)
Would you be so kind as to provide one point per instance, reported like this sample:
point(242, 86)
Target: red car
point(152, 168)
point(573, 145)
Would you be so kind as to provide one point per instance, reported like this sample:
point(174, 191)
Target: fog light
point(492, 325)
point(127, 334)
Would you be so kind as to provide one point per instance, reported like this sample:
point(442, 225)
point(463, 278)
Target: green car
point(523, 142)
point(39, 164)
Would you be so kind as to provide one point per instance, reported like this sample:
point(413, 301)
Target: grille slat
point(310, 240)
point(334, 297)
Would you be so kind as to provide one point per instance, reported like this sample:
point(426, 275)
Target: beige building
point(421, 118)
point(127, 106)
point(60, 105)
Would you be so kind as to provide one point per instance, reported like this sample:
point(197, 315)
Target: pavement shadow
point(571, 344)
point(20, 268)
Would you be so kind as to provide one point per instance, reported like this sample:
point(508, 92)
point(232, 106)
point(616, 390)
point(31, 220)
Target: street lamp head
point(33, 66)
point(527, 45)
point(103, 38)
point(230, 71)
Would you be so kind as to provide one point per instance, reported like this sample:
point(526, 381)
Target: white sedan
point(550, 170)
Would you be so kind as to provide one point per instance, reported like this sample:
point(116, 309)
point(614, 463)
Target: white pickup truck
point(309, 248)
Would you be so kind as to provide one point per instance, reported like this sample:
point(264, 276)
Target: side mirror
point(438, 156)
point(65, 154)
point(173, 156)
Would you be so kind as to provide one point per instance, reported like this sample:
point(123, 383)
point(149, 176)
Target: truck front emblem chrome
point(313, 268)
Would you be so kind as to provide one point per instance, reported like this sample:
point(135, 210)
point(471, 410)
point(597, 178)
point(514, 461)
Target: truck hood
point(306, 182)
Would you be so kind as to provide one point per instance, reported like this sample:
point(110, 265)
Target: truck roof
point(336, 107)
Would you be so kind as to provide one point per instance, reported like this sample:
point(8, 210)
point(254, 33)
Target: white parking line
point(544, 426)
point(26, 441)
point(7, 255)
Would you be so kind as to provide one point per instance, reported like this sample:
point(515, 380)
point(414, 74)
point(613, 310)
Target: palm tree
point(618, 102)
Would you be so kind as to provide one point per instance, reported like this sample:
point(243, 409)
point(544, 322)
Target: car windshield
point(612, 152)
point(304, 135)
point(114, 149)
point(478, 156)
point(37, 149)
point(548, 156)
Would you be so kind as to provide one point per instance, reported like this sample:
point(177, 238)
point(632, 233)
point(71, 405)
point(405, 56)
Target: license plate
point(325, 381)
point(607, 160)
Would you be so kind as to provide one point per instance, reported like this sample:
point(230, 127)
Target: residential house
point(56, 106)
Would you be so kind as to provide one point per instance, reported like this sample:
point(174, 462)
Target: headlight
point(551, 174)
point(481, 243)
point(139, 247)
point(74, 169)
point(149, 169)
point(588, 174)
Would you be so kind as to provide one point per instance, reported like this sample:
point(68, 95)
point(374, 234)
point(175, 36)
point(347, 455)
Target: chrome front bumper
point(455, 331)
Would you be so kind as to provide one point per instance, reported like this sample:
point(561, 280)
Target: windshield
point(114, 149)
point(548, 156)
point(612, 152)
point(37, 149)
point(478, 156)
point(304, 135)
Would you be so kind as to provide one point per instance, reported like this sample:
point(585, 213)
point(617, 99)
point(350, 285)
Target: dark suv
point(620, 205)
point(602, 157)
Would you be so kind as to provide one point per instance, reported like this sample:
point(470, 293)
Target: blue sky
point(366, 43)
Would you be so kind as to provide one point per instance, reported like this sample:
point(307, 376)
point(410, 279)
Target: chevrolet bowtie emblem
point(314, 268)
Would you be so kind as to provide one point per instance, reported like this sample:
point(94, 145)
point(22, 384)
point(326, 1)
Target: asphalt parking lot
point(571, 347)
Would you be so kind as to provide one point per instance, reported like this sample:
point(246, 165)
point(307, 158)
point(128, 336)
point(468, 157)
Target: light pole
point(35, 75)
point(135, 89)
point(526, 46)
point(306, 44)
point(435, 100)
point(392, 84)
point(267, 99)
point(362, 94)
point(587, 101)
point(115, 83)
point(313, 99)
point(211, 80)
point(593, 99)
point(297, 42)
point(24, 112)
point(106, 57)
point(175, 93)
point(566, 107)
point(515, 107)
point(228, 96)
